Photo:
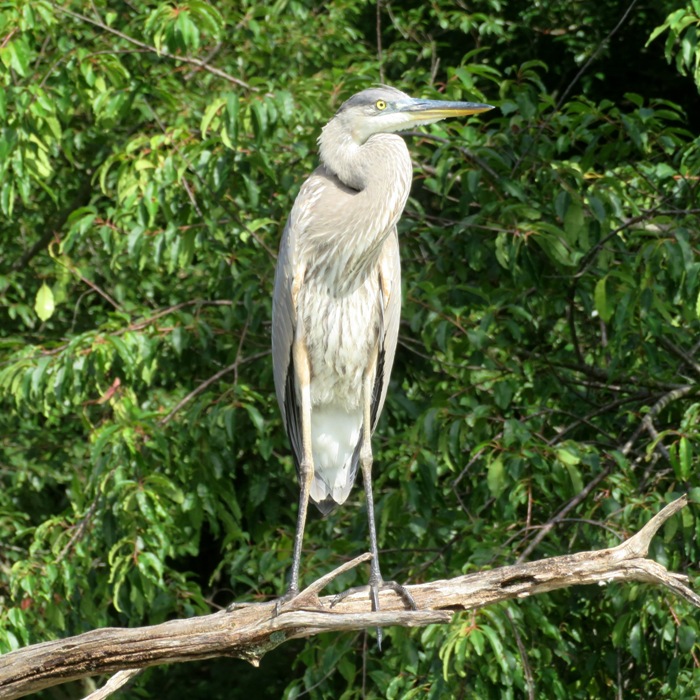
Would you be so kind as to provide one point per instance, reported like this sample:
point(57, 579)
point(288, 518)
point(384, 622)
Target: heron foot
point(374, 588)
point(401, 592)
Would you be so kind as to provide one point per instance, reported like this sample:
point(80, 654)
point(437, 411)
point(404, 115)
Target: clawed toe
point(342, 596)
point(374, 590)
point(283, 600)
point(400, 591)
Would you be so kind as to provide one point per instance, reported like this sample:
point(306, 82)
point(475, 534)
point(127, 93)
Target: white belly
point(341, 339)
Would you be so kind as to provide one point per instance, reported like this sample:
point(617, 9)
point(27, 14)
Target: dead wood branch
point(248, 631)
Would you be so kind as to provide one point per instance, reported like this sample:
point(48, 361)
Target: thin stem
point(163, 53)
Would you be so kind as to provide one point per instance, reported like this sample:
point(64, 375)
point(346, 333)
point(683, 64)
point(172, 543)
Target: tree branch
point(81, 198)
point(201, 64)
point(654, 411)
point(249, 631)
point(117, 681)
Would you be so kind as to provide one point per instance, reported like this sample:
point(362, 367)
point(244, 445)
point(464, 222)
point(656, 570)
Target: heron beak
point(426, 111)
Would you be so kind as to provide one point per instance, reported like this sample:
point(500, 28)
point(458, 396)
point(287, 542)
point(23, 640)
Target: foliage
point(682, 40)
point(149, 155)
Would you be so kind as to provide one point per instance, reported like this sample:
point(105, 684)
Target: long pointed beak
point(433, 110)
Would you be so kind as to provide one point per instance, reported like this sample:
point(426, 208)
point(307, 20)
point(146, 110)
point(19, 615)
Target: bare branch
point(679, 352)
point(118, 680)
point(579, 498)
point(81, 198)
point(654, 411)
point(208, 382)
point(205, 60)
point(645, 425)
point(380, 59)
point(605, 42)
point(249, 631)
point(165, 54)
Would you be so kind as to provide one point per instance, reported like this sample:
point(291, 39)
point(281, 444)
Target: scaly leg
point(306, 468)
point(376, 583)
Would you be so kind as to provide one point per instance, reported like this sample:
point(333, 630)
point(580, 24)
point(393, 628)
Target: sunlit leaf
point(44, 302)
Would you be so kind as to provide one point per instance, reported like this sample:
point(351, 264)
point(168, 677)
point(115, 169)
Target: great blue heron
point(337, 300)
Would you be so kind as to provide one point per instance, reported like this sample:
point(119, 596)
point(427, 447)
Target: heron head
point(385, 110)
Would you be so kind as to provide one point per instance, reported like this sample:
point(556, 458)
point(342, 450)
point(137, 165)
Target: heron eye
point(380, 105)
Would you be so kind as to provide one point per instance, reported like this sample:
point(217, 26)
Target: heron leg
point(305, 477)
point(306, 467)
point(366, 460)
point(376, 583)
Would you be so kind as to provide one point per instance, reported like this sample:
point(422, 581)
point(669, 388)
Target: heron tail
point(335, 441)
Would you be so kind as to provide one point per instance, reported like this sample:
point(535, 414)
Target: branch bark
point(248, 631)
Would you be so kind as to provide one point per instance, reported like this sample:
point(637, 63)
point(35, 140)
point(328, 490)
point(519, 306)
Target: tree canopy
point(544, 397)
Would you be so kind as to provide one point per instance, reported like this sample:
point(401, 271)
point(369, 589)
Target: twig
point(525, 662)
point(92, 285)
point(482, 164)
point(142, 323)
point(205, 61)
point(310, 593)
point(654, 435)
point(380, 59)
point(654, 411)
point(462, 474)
point(166, 54)
point(681, 354)
point(645, 425)
point(594, 55)
point(587, 419)
point(147, 321)
point(81, 198)
point(571, 321)
point(587, 259)
point(579, 498)
point(208, 382)
point(80, 530)
point(118, 680)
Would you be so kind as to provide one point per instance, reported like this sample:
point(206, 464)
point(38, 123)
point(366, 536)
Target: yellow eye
point(380, 105)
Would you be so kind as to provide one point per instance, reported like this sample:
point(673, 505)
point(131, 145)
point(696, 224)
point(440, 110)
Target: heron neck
point(363, 165)
point(378, 173)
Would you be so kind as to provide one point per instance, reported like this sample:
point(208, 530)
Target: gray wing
point(390, 290)
point(284, 319)
point(284, 313)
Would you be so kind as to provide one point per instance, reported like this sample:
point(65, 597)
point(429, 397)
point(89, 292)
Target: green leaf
point(600, 296)
point(685, 455)
point(15, 55)
point(496, 477)
point(44, 302)
point(188, 30)
point(230, 133)
point(686, 638)
point(576, 479)
point(208, 15)
point(574, 222)
point(635, 641)
point(209, 114)
point(567, 458)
